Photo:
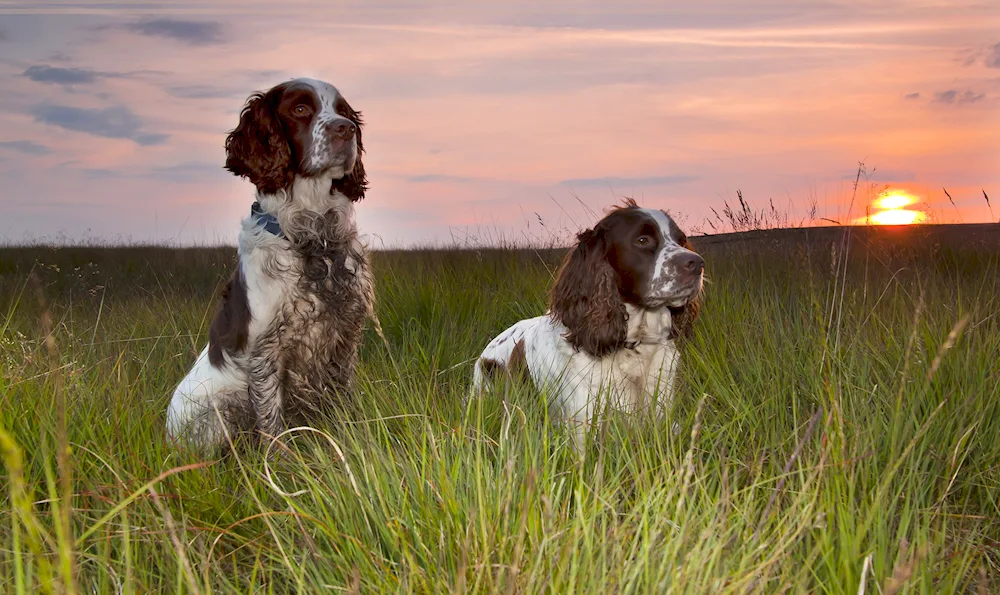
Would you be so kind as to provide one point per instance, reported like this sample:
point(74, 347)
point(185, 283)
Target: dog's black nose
point(343, 129)
point(692, 263)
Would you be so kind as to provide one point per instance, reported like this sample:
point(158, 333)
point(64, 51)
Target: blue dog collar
point(267, 220)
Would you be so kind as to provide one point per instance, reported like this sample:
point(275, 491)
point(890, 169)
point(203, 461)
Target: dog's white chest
point(636, 369)
point(631, 364)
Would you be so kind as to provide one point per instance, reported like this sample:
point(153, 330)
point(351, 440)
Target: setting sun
point(889, 210)
point(894, 199)
point(897, 217)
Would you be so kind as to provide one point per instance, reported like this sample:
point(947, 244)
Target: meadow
point(838, 406)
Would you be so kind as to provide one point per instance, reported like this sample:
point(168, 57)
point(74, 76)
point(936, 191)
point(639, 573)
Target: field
point(839, 413)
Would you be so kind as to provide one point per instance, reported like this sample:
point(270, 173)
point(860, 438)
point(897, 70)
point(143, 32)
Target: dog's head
point(632, 256)
point(300, 128)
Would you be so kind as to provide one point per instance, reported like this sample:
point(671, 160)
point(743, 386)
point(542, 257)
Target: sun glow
point(895, 199)
point(897, 217)
point(890, 211)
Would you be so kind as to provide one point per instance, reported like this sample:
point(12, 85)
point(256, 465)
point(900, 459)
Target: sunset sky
point(511, 119)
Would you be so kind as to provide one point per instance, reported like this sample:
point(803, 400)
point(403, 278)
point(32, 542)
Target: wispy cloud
point(190, 172)
point(954, 96)
point(110, 122)
point(71, 75)
point(993, 57)
point(615, 182)
point(182, 172)
point(190, 32)
point(202, 92)
point(914, 95)
point(43, 73)
point(27, 147)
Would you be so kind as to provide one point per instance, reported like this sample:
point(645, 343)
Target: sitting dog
point(623, 296)
point(285, 338)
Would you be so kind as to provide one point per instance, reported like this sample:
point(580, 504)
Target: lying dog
point(623, 296)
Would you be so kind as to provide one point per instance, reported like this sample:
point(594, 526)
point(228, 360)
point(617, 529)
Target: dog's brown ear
point(585, 298)
point(353, 185)
point(257, 149)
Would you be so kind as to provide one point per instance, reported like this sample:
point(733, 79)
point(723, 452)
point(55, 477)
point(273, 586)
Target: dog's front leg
point(267, 393)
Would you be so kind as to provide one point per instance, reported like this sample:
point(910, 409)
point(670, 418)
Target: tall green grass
point(838, 413)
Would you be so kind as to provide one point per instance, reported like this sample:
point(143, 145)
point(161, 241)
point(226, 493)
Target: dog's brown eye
point(300, 110)
point(643, 241)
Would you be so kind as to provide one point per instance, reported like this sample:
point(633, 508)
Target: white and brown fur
point(623, 297)
point(283, 344)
